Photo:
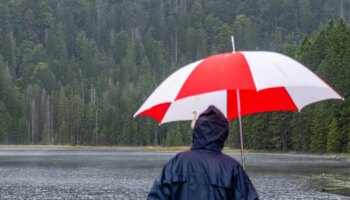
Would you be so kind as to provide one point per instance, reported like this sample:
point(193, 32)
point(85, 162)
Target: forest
point(75, 71)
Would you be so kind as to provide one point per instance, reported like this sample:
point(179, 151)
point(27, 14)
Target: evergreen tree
point(333, 137)
point(4, 121)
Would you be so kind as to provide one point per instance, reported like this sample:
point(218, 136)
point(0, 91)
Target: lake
point(65, 173)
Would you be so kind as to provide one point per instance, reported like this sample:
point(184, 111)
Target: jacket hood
point(210, 131)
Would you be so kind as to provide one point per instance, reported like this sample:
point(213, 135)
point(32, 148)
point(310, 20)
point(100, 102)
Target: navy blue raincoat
point(204, 172)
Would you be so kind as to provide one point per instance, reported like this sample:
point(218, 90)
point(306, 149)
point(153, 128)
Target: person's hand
point(193, 123)
point(194, 113)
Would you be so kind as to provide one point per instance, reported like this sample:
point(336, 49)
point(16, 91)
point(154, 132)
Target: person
point(204, 172)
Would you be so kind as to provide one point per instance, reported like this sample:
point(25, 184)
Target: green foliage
point(333, 137)
point(43, 77)
point(246, 33)
point(4, 121)
point(258, 135)
point(319, 127)
point(75, 72)
point(11, 109)
point(301, 130)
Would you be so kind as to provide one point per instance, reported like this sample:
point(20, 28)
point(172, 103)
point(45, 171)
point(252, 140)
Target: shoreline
point(165, 148)
point(112, 147)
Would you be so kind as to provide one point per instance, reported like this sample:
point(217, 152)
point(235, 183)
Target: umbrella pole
point(239, 111)
point(240, 127)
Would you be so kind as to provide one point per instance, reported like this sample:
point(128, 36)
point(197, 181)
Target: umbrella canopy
point(237, 83)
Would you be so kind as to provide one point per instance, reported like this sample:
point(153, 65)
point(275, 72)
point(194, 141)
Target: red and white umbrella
point(255, 81)
point(238, 84)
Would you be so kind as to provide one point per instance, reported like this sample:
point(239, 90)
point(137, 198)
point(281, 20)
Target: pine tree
point(4, 122)
point(321, 118)
point(333, 137)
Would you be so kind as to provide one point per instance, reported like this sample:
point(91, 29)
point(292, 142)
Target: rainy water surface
point(46, 173)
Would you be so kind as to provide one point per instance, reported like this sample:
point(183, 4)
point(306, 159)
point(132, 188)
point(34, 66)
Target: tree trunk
point(13, 52)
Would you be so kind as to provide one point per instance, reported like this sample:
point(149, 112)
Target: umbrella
point(238, 84)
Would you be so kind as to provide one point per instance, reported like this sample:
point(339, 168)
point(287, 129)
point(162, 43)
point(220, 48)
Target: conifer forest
point(75, 71)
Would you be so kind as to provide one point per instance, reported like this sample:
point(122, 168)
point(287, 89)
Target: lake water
point(48, 173)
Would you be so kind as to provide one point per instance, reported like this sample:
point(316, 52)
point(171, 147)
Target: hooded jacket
point(204, 172)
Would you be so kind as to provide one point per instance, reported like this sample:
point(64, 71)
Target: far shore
point(163, 148)
point(111, 147)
